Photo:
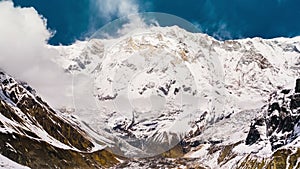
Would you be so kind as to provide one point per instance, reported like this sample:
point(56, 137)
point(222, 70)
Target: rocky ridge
point(35, 135)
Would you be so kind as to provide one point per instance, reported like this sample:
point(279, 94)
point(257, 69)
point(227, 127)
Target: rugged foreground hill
point(239, 105)
point(35, 135)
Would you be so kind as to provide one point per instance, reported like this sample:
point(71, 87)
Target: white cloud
point(119, 8)
point(108, 9)
point(222, 32)
point(25, 55)
point(135, 22)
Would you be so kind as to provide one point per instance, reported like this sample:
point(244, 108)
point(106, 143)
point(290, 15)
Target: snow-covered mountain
point(166, 92)
point(157, 85)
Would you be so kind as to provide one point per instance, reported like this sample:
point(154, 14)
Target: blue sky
point(219, 18)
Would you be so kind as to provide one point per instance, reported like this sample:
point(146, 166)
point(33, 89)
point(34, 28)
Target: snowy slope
point(143, 93)
point(156, 85)
point(6, 163)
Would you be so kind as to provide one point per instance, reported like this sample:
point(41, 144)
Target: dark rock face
point(295, 101)
point(297, 88)
point(253, 135)
point(278, 120)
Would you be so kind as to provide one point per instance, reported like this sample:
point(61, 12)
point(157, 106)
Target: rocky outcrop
point(154, 163)
point(282, 158)
point(272, 140)
point(279, 120)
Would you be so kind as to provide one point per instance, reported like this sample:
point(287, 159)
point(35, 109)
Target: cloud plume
point(109, 10)
point(25, 55)
point(116, 8)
